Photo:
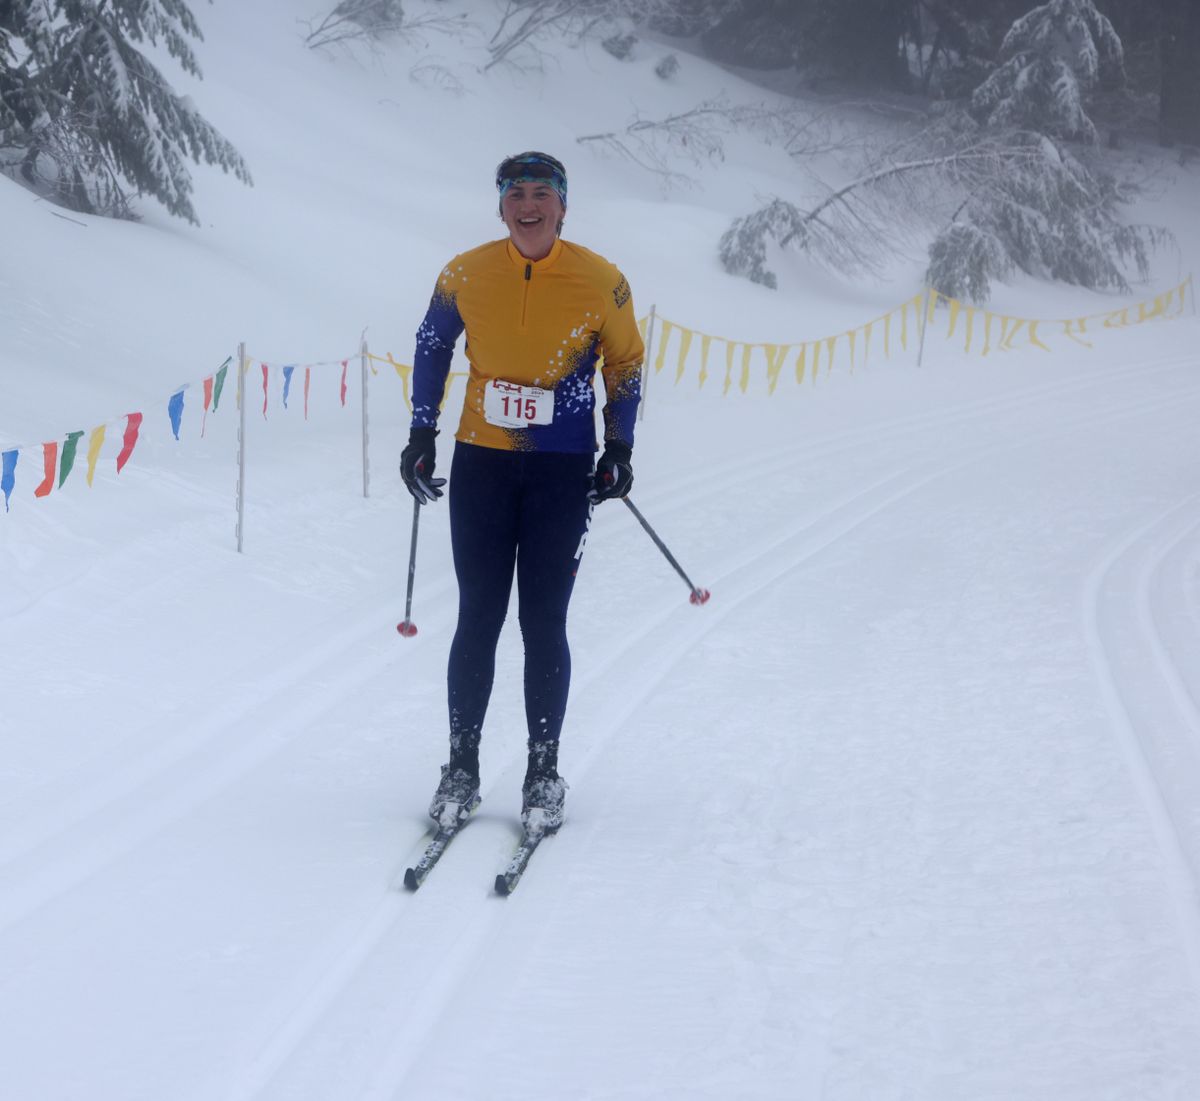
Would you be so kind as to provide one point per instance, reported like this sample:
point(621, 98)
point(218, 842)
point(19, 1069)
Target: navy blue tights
point(528, 511)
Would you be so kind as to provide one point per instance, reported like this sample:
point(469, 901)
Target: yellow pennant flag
point(95, 443)
point(931, 313)
point(904, 327)
point(776, 354)
point(1117, 319)
point(1006, 343)
point(850, 335)
point(1157, 307)
point(1082, 323)
point(746, 350)
point(969, 327)
point(405, 373)
point(1033, 337)
point(800, 363)
point(685, 342)
point(705, 345)
point(816, 360)
point(829, 353)
point(1001, 343)
point(955, 306)
point(728, 367)
point(887, 336)
point(664, 339)
point(987, 331)
point(867, 342)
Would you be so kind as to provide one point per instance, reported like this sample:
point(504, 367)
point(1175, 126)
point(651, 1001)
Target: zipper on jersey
point(525, 293)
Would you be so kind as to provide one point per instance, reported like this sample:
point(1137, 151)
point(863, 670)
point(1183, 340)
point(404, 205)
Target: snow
point(909, 809)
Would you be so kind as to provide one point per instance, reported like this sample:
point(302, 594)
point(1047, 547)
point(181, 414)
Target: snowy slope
point(908, 810)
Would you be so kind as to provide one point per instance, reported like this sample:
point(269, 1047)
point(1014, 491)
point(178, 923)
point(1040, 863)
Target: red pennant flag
point(208, 391)
point(133, 423)
point(266, 376)
point(307, 380)
point(344, 363)
point(50, 461)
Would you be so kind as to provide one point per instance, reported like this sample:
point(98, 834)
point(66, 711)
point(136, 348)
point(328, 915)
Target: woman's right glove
point(614, 474)
point(416, 466)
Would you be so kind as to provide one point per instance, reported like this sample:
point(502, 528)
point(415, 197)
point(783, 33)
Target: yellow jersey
point(536, 330)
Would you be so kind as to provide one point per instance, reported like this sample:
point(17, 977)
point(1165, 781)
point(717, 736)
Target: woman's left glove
point(614, 473)
point(417, 462)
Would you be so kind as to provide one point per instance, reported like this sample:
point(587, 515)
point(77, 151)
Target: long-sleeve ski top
point(542, 323)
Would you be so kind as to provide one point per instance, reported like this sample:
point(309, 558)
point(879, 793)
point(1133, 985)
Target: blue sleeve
point(624, 353)
point(436, 337)
point(620, 411)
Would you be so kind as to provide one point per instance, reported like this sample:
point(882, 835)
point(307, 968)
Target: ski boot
point(456, 797)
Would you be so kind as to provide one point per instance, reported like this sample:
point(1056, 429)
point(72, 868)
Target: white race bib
point(511, 405)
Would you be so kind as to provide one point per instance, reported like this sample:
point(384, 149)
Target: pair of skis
point(506, 881)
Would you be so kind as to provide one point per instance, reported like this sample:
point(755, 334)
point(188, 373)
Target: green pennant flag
point(219, 385)
point(68, 456)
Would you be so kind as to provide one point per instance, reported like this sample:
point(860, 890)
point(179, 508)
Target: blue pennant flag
point(175, 411)
point(8, 478)
point(287, 382)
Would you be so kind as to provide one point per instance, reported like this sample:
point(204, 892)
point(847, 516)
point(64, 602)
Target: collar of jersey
point(546, 261)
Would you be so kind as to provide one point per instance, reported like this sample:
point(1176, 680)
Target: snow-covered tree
point(356, 21)
point(1049, 215)
point(1053, 213)
point(1052, 61)
point(87, 117)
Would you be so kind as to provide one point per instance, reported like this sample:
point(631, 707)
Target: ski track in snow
point(1153, 706)
point(61, 843)
point(909, 812)
point(376, 942)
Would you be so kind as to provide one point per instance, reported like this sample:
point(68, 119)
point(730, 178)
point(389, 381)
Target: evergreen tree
point(853, 40)
point(87, 116)
point(1048, 214)
point(1052, 61)
point(1051, 213)
point(1179, 55)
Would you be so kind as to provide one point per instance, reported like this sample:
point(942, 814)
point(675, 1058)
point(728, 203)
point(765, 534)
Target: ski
point(443, 835)
point(507, 880)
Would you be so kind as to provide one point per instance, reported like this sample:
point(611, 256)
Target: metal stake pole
point(925, 308)
point(366, 462)
point(646, 365)
point(241, 485)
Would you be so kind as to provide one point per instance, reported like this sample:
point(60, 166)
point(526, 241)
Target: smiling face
point(533, 213)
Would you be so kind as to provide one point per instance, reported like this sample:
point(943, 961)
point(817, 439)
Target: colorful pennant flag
point(133, 424)
point(175, 411)
point(50, 465)
point(68, 455)
point(219, 385)
point(208, 394)
point(8, 474)
point(287, 382)
point(94, 446)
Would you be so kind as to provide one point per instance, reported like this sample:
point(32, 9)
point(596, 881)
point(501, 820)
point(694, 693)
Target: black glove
point(416, 466)
point(614, 474)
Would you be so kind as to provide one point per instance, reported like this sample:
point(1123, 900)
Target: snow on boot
point(456, 797)
point(542, 802)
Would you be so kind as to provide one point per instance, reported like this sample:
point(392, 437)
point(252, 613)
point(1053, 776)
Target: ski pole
point(699, 596)
point(408, 628)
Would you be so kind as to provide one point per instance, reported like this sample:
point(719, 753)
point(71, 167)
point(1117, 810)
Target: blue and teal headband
point(529, 168)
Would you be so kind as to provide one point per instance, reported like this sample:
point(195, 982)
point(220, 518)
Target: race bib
point(511, 405)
